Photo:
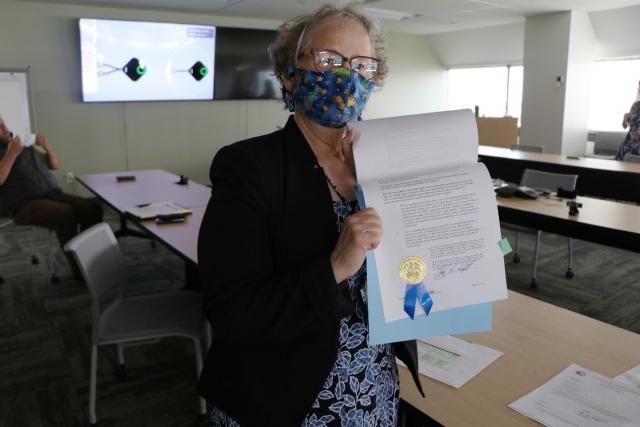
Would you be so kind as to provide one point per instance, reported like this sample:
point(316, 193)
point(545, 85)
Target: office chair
point(548, 182)
point(634, 158)
point(528, 148)
point(7, 223)
point(129, 321)
point(608, 143)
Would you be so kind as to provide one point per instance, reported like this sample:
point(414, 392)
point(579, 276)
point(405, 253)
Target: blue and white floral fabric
point(631, 143)
point(362, 388)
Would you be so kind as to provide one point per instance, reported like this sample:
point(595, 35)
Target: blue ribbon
point(413, 292)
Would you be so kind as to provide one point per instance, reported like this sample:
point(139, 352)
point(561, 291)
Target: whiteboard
point(15, 101)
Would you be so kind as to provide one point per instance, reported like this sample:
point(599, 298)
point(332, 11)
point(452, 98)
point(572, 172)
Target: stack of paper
point(580, 397)
point(453, 361)
point(421, 174)
point(152, 210)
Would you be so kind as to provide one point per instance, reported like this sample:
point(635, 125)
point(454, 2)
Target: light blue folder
point(472, 318)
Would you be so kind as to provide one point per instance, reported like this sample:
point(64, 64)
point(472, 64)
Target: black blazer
point(270, 293)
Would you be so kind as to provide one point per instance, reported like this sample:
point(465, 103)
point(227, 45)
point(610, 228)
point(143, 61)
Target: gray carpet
point(45, 342)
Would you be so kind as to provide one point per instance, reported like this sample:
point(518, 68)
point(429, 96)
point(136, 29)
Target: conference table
point(597, 177)
point(599, 221)
point(152, 186)
point(538, 340)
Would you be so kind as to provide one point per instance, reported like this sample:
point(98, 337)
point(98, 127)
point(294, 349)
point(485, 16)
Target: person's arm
point(247, 298)
point(14, 148)
point(52, 157)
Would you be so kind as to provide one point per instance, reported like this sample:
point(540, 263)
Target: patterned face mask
point(331, 98)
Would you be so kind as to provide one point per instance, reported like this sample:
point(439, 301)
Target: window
point(614, 85)
point(497, 91)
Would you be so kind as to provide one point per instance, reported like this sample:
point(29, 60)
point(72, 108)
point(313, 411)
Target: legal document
point(580, 397)
point(631, 377)
point(421, 174)
point(451, 360)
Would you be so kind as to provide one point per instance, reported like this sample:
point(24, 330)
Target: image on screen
point(146, 61)
point(243, 69)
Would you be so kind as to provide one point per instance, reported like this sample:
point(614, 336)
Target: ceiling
point(427, 16)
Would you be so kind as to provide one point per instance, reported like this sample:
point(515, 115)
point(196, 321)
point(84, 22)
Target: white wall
point(618, 32)
point(546, 50)
point(582, 51)
point(181, 137)
point(501, 44)
point(416, 82)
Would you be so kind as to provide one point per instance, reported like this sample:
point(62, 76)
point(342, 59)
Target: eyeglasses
point(325, 60)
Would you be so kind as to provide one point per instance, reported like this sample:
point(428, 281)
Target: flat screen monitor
point(243, 69)
point(146, 61)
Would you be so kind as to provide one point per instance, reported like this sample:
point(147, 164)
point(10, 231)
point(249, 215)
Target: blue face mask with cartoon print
point(331, 98)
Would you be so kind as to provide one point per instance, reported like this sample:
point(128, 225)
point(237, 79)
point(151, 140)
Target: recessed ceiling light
point(388, 14)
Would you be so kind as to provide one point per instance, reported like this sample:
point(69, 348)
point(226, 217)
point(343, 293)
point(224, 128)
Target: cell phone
point(171, 218)
point(122, 178)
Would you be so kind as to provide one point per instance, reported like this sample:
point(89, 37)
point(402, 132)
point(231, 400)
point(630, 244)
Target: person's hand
point(636, 134)
point(41, 140)
point(361, 232)
point(625, 120)
point(347, 148)
point(14, 148)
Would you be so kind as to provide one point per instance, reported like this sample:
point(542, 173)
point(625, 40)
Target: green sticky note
point(505, 247)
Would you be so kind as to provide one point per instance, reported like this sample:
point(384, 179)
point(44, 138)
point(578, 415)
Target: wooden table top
point(150, 186)
point(538, 341)
point(182, 237)
point(559, 159)
point(598, 212)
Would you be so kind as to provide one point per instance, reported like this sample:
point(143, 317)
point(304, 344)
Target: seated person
point(29, 192)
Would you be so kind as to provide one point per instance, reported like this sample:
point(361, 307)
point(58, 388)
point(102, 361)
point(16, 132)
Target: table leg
point(126, 231)
point(191, 276)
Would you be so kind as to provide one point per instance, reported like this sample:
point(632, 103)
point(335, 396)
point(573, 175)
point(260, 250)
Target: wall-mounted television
point(243, 69)
point(146, 61)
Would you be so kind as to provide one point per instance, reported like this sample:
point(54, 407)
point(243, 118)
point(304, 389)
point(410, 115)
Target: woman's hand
point(625, 120)
point(360, 233)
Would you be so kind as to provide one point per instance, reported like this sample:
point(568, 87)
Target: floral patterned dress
point(362, 388)
point(631, 144)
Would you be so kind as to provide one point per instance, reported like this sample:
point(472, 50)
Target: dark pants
point(62, 213)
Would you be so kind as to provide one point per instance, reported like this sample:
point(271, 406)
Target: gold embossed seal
point(413, 270)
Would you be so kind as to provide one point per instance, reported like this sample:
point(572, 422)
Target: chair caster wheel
point(516, 259)
point(569, 274)
point(55, 279)
point(120, 373)
point(34, 260)
point(534, 284)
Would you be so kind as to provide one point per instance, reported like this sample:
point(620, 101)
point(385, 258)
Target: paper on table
point(152, 210)
point(421, 175)
point(452, 360)
point(579, 397)
point(631, 377)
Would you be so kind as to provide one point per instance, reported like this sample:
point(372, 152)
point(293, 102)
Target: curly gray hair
point(283, 50)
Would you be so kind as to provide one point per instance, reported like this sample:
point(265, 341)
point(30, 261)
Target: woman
point(631, 144)
point(282, 248)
